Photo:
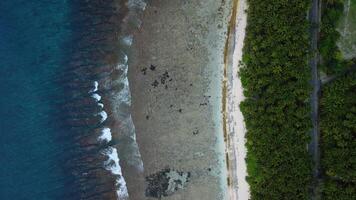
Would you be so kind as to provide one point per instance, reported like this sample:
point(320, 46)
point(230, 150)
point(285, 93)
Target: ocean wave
point(96, 97)
point(106, 135)
point(96, 73)
point(96, 84)
point(103, 116)
point(121, 191)
point(112, 164)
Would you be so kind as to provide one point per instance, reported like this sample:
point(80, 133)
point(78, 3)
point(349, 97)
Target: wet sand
point(175, 74)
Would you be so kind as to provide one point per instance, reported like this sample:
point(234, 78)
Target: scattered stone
point(206, 101)
point(155, 83)
point(171, 106)
point(191, 84)
point(147, 117)
point(166, 182)
point(152, 67)
point(166, 87)
point(209, 169)
point(144, 70)
point(180, 110)
point(164, 77)
point(195, 132)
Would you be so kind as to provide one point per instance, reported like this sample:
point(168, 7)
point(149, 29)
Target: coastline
point(175, 74)
point(235, 126)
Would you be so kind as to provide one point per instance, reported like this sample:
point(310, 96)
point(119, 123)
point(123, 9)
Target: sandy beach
point(175, 76)
point(239, 188)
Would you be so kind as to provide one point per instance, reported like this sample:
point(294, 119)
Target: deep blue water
point(46, 112)
point(32, 34)
point(56, 58)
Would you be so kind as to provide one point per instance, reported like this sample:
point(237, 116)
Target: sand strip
point(239, 188)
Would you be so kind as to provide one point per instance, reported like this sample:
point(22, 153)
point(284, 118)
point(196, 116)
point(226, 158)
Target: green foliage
point(277, 109)
point(337, 190)
point(337, 113)
point(332, 59)
point(338, 132)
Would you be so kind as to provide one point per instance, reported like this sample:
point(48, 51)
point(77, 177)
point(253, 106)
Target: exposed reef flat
point(175, 76)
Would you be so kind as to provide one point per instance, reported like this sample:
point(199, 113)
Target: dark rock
point(164, 77)
point(152, 67)
point(144, 70)
point(196, 132)
point(165, 182)
point(155, 83)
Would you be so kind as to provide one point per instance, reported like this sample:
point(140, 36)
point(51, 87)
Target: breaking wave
point(98, 97)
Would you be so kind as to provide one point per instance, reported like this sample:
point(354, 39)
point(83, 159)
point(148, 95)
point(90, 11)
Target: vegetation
point(275, 77)
point(332, 59)
point(337, 112)
point(338, 144)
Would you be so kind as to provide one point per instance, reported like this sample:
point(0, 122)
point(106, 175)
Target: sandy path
point(236, 125)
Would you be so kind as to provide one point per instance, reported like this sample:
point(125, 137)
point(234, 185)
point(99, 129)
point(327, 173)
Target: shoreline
point(235, 126)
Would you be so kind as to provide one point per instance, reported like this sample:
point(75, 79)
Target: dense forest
point(337, 111)
point(332, 62)
point(338, 144)
point(276, 80)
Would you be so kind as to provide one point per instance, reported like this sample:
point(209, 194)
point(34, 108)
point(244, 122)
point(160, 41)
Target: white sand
point(236, 125)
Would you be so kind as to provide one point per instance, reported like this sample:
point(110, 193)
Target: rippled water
point(65, 96)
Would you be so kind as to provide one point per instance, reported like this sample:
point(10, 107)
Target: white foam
point(96, 96)
point(106, 135)
point(96, 84)
point(103, 115)
point(138, 4)
point(126, 59)
point(112, 164)
point(124, 68)
point(121, 192)
point(124, 95)
point(127, 40)
point(101, 105)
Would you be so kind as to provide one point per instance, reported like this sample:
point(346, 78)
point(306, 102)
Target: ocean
point(65, 125)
